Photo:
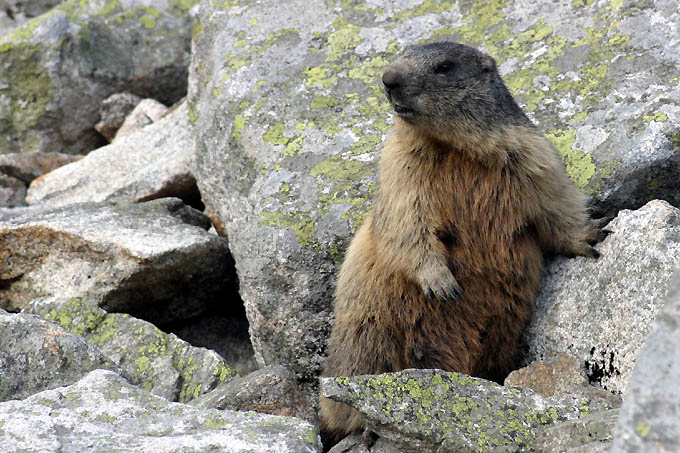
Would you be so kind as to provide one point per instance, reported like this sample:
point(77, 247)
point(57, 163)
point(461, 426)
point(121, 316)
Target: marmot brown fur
point(444, 271)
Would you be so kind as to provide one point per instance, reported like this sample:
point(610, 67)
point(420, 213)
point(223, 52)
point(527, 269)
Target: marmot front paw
point(438, 282)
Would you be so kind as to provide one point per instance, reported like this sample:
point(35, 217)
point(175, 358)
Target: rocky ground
point(179, 180)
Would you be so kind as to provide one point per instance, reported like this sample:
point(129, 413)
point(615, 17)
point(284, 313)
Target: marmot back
point(445, 269)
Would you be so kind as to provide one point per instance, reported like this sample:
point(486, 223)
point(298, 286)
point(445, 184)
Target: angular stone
point(37, 355)
point(152, 163)
point(102, 412)
point(433, 410)
point(288, 130)
point(592, 433)
point(651, 409)
point(154, 360)
point(153, 260)
point(113, 111)
point(56, 69)
point(601, 310)
point(271, 390)
point(27, 167)
point(146, 112)
point(12, 192)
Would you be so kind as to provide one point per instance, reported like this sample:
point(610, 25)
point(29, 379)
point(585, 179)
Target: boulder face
point(153, 260)
point(57, 68)
point(289, 116)
point(601, 310)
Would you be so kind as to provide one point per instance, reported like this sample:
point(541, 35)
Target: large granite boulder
point(649, 416)
point(103, 412)
point(601, 310)
point(289, 116)
point(57, 68)
point(154, 260)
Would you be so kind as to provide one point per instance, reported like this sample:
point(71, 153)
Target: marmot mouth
point(403, 111)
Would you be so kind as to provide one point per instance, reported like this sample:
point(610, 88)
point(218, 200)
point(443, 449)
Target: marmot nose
point(391, 79)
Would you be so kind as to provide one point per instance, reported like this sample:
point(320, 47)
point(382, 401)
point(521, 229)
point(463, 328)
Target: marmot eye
point(443, 68)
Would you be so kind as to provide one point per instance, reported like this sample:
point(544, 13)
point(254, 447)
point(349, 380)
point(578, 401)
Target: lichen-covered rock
point(270, 390)
point(650, 415)
point(434, 410)
point(290, 114)
point(16, 12)
point(601, 310)
point(113, 111)
point(57, 68)
point(37, 355)
point(102, 412)
point(153, 162)
point(154, 360)
point(584, 435)
point(153, 260)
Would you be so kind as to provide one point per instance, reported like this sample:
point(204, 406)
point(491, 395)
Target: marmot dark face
point(447, 84)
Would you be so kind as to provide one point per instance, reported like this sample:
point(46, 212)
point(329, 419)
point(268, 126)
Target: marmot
point(445, 268)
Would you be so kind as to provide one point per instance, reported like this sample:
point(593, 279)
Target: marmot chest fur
point(444, 271)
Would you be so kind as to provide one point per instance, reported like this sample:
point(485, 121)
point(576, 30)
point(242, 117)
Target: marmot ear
point(488, 64)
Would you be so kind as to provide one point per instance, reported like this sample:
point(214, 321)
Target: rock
point(592, 433)
point(16, 12)
point(601, 310)
point(156, 361)
point(102, 412)
point(271, 390)
point(288, 131)
point(56, 69)
point(153, 260)
point(651, 409)
point(37, 355)
point(355, 443)
point(27, 167)
point(225, 332)
point(152, 163)
point(561, 374)
point(12, 192)
point(433, 410)
point(146, 112)
point(113, 112)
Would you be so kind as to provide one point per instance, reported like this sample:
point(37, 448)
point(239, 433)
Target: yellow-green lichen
point(345, 37)
point(579, 165)
point(643, 429)
point(274, 135)
point(239, 125)
point(659, 117)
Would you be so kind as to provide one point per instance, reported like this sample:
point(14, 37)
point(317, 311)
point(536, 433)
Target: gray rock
point(651, 409)
point(153, 260)
point(56, 69)
point(29, 166)
point(601, 310)
point(433, 410)
point(592, 433)
point(17, 12)
point(154, 360)
point(355, 443)
point(271, 390)
point(146, 112)
point(102, 412)
point(113, 111)
point(288, 130)
point(37, 355)
point(12, 192)
point(558, 375)
point(152, 163)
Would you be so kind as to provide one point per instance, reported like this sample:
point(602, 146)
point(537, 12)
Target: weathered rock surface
point(102, 412)
point(16, 12)
point(154, 162)
point(433, 410)
point(558, 375)
point(601, 310)
point(154, 360)
point(585, 435)
point(12, 192)
point(651, 410)
point(271, 390)
point(56, 69)
point(113, 111)
point(37, 355)
point(146, 112)
point(153, 260)
point(289, 127)
point(26, 167)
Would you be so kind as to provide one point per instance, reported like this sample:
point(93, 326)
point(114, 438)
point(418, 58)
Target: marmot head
point(445, 85)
